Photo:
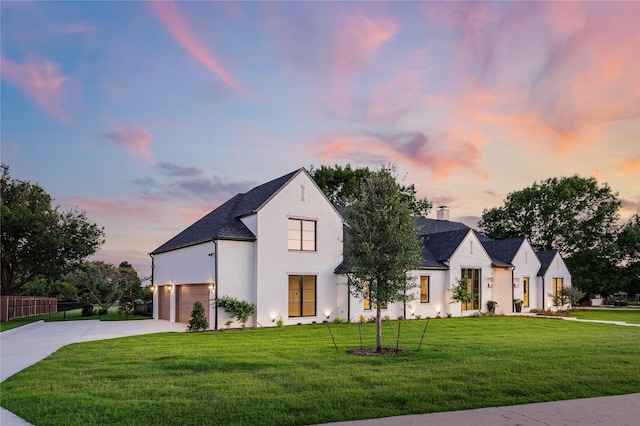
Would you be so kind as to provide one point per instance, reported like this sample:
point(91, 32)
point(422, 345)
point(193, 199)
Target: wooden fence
point(12, 307)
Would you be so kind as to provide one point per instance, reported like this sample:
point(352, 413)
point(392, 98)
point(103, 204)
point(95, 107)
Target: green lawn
point(630, 316)
point(293, 375)
point(71, 315)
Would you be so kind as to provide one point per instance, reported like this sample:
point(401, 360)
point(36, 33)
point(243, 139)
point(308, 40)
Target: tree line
point(44, 250)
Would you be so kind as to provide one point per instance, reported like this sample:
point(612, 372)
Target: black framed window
point(473, 277)
point(424, 289)
point(302, 235)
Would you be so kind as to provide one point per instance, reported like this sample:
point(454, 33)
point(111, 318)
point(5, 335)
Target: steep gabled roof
point(502, 252)
point(442, 245)
point(224, 222)
point(546, 257)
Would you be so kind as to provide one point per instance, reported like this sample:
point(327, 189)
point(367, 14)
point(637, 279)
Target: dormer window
point(302, 235)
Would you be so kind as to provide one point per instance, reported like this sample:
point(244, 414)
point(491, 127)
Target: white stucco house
point(280, 246)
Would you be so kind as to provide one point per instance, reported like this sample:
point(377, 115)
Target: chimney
point(443, 213)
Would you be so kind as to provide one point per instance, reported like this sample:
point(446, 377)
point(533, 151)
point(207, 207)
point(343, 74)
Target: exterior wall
point(236, 277)
point(274, 261)
point(502, 290)
point(557, 269)
point(526, 264)
point(438, 293)
point(469, 254)
point(185, 266)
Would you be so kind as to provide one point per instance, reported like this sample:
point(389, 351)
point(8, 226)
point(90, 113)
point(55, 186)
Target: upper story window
point(302, 235)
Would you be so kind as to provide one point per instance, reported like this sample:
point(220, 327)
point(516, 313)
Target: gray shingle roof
point(502, 252)
point(434, 226)
point(546, 257)
point(442, 245)
point(224, 222)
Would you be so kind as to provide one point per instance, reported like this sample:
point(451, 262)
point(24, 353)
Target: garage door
point(186, 296)
point(164, 302)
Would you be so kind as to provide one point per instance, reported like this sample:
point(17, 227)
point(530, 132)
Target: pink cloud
point(120, 207)
point(135, 139)
point(40, 81)
point(628, 166)
point(563, 87)
point(442, 157)
point(170, 16)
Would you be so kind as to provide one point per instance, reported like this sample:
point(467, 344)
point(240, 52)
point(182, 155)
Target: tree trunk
point(378, 329)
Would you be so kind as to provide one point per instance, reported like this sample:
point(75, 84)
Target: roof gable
point(546, 258)
point(504, 250)
point(224, 222)
point(442, 245)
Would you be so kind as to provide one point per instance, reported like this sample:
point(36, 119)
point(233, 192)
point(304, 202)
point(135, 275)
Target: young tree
point(380, 245)
point(341, 185)
point(38, 240)
point(573, 215)
point(198, 321)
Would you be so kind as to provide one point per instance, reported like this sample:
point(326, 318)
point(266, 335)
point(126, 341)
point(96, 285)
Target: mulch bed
point(373, 352)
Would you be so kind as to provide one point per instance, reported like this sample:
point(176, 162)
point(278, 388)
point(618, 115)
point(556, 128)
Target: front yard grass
point(293, 375)
point(71, 315)
point(630, 316)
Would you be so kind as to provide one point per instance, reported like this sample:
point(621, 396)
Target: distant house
point(280, 246)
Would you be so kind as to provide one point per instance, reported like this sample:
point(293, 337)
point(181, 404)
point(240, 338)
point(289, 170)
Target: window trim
point(300, 238)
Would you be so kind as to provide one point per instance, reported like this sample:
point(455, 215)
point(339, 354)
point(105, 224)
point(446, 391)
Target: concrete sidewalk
point(24, 346)
point(622, 410)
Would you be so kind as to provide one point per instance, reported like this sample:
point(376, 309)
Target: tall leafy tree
point(380, 245)
point(103, 283)
point(38, 240)
point(573, 215)
point(342, 185)
point(628, 255)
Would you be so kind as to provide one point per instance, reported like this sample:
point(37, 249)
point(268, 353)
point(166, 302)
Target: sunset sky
point(150, 115)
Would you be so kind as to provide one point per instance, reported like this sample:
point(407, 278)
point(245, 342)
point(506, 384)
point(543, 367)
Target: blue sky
point(149, 115)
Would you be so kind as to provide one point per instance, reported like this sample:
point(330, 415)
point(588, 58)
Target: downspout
point(152, 284)
point(543, 294)
point(348, 301)
point(513, 292)
point(215, 291)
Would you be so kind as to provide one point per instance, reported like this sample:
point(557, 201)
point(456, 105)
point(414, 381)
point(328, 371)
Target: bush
point(198, 321)
point(280, 322)
point(337, 320)
point(237, 308)
point(87, 310)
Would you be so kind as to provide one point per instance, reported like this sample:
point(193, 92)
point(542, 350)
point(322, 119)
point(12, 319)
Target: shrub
point(337, 320)
point(280, 322)
point(363, 319)
point(237, 308)
point(87, 310)
point(198, 320)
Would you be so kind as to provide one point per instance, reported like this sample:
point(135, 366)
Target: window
point(424, 289)
point(367, 298)
point(302, 295)
point(473, 283)
point(525, 291)
point(557, 288)
point(302, 235)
